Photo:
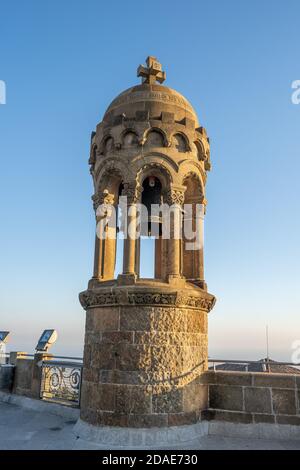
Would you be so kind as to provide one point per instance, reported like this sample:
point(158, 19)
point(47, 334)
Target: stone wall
point(6, 377)
point(121, 389)
point(244, 397)
point(23, 377)
point(142, 366)
point(28, 374)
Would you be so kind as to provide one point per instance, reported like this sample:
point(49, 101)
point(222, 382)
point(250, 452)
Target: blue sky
point(63, 62)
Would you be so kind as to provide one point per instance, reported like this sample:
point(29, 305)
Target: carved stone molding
point(110, 166)
point(132, 191)
point(102, 197)
point(174, 196)
point(145, 298)
point(90, 298)
point(196, 302)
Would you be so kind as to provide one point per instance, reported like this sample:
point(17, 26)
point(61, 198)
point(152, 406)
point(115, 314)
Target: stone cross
point(152, 73)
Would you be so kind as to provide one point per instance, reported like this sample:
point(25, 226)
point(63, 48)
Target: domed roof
point(151, 97)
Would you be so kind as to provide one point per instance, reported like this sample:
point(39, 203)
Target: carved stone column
point(137, 256)
point(132, 192)
point(199, 255)
point(158, 258)
point(105, 243)
point(175, 199)
point(193, 244)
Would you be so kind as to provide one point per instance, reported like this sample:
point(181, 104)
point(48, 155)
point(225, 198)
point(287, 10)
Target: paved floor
point(25, 429)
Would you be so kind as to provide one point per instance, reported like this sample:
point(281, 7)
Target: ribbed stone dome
point(153, 98)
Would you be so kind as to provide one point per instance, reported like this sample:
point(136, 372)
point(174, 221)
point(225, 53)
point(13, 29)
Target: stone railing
point(42, 375)
point(236, 397)
point(258, 397)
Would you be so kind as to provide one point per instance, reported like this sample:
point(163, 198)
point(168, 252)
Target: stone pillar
point(131, 194)
point(39, 357)
point(109, 254)
point(15, 355)
point(28, 373)
point(158, 258)
point(6, 377)
point(199, 257)
point(130, 242)
point(164, 263)
point(97, 259)
point(105, 242)
point(175, 199)
point(174, 246)
point(137, 256)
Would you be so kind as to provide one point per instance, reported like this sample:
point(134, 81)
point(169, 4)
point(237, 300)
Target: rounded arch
point(200, 150)
point(157, 157)
point(155, 137)
point(110, 168)
point(93, 154)
point(191, 166)
point(194, 187)
point(156, 170)
point(111, 182)
point(107, 144)
point(129, 138)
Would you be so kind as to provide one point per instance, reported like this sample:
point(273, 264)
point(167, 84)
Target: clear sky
point(63, 62)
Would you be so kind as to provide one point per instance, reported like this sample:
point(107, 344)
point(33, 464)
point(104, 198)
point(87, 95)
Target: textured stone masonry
point(245, 397)
point(141, 365)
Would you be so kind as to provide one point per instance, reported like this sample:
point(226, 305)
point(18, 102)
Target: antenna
point(267, 341)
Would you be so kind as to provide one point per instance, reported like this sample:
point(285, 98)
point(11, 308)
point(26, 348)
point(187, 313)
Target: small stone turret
point(146, 339)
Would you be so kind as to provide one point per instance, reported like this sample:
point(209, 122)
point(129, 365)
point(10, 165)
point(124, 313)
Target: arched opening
point(192, 245)
point(93, 155)
point(180, 143)
point(200, 151)
point(154, 139)
point(150, 241)
point(108, 145)
point(130, 139)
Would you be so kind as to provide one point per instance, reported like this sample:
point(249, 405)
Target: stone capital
point(175, 195)
point(173, 296)
point(102, 197)
point(132, 190)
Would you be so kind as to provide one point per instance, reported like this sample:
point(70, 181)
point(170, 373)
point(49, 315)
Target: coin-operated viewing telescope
point(46, 340)
point(4, 336)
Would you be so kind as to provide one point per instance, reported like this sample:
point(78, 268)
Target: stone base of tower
point(140, 438)
point(145, 350)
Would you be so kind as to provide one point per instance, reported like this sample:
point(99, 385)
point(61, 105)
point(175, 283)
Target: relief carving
point(102, 197)
point(145, 298)
point(132, 191)
point(90, 298)
point(174, 196)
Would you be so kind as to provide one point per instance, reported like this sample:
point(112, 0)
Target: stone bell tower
point(146, 339)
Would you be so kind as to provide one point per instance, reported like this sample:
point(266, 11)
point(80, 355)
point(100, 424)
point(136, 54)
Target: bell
point(151, 181)
point(151, 196)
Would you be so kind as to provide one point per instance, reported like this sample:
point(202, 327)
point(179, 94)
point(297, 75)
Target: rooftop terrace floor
point(22, 429)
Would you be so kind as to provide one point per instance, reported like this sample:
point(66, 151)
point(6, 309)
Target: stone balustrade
point(236, 397)
point(244, 397)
